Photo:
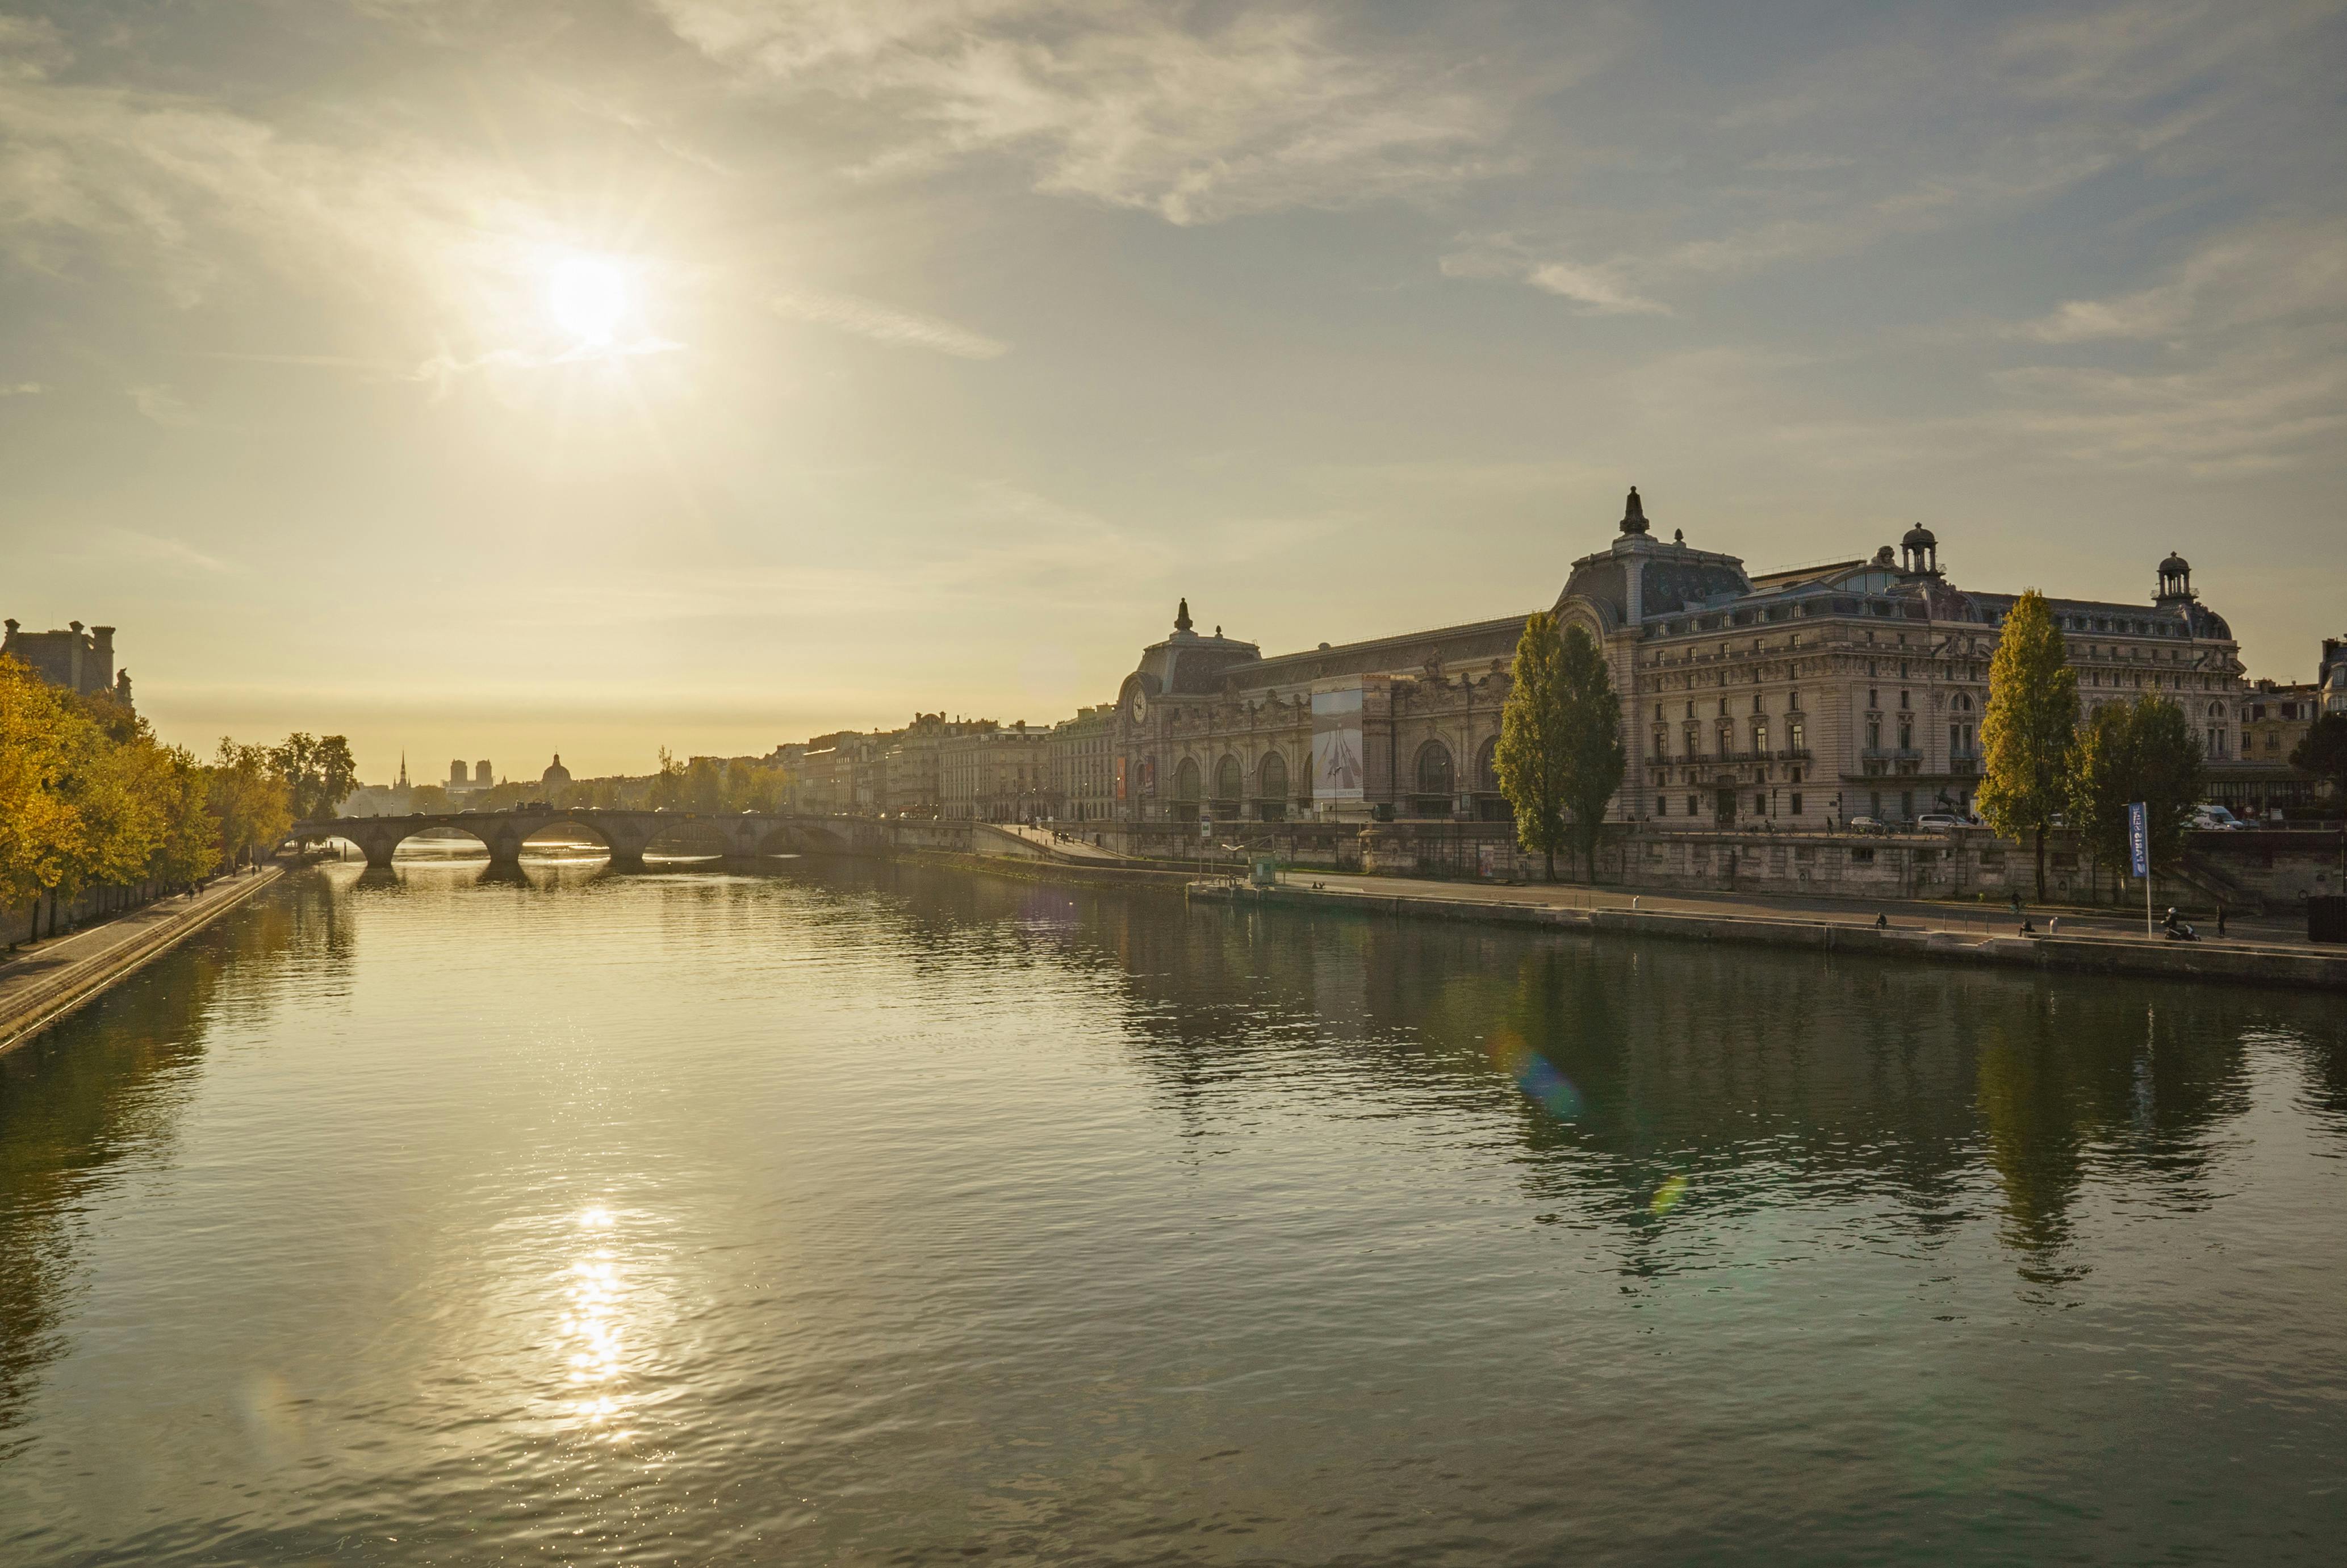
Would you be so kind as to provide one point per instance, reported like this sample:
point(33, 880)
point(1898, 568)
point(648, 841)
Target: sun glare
point(587, 298)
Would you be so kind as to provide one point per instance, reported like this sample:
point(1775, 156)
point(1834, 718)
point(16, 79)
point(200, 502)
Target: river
point(860, 1213)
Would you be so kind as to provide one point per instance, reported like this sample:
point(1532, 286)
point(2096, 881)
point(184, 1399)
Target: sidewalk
point(1978, 920)
point(1913, 931)
point(51, 978)
point(1072, 848)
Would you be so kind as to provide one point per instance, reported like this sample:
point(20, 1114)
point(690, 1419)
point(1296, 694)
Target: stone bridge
point(744, 838)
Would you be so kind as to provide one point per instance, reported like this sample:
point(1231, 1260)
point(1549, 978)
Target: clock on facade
point(1139, 704)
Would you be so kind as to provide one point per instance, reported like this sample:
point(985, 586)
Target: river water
point(874, 1215)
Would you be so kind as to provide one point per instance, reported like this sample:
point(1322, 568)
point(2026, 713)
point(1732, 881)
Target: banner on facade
point(2139, 838)
point(1336, 769)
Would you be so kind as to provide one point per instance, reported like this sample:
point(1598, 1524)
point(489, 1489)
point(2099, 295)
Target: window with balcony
point(1760, 735)
point(1873, 735)
point(1796, 735)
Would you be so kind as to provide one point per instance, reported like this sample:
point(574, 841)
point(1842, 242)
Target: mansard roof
point(1410, 651)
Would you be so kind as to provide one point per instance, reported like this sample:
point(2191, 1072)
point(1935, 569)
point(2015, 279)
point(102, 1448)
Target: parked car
point(1866, 824)
point(1938, 822)
point(2210, 817)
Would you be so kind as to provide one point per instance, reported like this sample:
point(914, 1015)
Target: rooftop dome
point(2174, 565)
point(1919, 538)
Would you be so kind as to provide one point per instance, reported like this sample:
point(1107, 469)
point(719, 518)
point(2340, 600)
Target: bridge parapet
point(627, 833)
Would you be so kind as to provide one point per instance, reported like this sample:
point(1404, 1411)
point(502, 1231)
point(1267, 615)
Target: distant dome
point(556, 774)
point(1919, 538)
point(2174, 565)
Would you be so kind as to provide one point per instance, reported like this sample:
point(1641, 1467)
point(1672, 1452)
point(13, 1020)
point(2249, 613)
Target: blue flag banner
point(2139, 838)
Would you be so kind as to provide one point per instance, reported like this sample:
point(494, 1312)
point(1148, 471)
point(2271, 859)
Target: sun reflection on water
point(590, 1333)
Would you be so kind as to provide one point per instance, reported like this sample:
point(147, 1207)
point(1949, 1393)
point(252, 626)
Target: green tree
point(667, 790)
point(2128, 751)
point(250, 797)
point(191, 841)
point(704, 785)
point(2322, 751)
point(1532, 758)
point(2025, 735)
point(1593, 755)
point(319, 775)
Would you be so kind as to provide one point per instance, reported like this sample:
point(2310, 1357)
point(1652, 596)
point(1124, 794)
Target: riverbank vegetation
point(1560, 757)
point(90, 798)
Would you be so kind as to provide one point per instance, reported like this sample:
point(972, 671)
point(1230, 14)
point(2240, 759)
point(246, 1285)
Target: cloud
point(153, 549)
point(162, 405)
point(2262, 274)
point(885, 324)
point(21, 389)
point(1593, 287)
point(1600, 290)
point(1116, 100)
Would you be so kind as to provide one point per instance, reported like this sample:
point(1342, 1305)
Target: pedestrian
point(2221, 916)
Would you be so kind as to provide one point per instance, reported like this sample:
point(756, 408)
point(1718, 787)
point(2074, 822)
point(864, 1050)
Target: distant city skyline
point(507, 381)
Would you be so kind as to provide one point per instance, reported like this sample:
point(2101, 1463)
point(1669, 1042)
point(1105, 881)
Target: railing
point(1787, 754)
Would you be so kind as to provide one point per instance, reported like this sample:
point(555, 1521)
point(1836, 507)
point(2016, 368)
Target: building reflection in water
point(1658, 1080)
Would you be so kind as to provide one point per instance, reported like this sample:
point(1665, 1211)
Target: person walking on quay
point(2221, 916)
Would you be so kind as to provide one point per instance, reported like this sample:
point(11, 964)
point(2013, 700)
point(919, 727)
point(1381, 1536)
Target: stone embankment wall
point(2276, 870)
point(2281, 868)
point(2309, 968)
point(53, 916)
point(2272, 868)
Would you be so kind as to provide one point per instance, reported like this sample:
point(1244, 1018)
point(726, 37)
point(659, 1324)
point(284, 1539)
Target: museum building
point(1799, 697)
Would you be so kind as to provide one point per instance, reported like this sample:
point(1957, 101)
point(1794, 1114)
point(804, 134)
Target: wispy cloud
point(1599, 289)
point(131, 546)
point(1119, 100)
point(21, 389)
point(162, 405)
point(886, 324)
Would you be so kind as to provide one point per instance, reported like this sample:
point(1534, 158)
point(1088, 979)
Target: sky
point(491, 378)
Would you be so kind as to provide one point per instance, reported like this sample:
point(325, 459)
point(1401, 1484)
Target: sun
point(587, 296)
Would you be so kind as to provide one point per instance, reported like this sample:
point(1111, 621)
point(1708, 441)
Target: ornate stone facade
point(1798, 698)
point(79, 661)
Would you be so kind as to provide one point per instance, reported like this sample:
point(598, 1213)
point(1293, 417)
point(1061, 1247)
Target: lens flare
point(1666, 1196)
point(1536, 1075)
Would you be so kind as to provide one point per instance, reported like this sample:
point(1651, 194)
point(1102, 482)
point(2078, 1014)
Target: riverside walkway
point(1927, 915)
point(40, 983)
point(2100, 942)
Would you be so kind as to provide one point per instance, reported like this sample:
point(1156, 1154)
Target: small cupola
point(2175, 580)
point(1920, 548)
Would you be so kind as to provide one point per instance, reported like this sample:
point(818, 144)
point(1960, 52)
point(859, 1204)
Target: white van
point(2210, 817)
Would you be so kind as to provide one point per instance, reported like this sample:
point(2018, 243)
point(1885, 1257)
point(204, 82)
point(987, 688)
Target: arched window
point(1434, 769)
point(2216, 709)
point(1186, 780)
point(1963, 704)
point(1227, 779)
point(1271, 777)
